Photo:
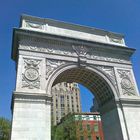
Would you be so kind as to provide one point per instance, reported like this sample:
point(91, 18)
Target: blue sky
point(121, 16)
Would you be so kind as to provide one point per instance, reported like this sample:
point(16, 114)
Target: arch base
point(31, 117)
point(121, 119)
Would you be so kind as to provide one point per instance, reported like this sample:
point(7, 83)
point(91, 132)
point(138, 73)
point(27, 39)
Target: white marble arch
point(87, 69)
point(109, 110)
point(47, 52)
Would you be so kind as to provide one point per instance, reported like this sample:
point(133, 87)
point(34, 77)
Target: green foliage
point(5, 126)
point(59, 134)
point(70, 131)
point(53, 131)
point(66, 130)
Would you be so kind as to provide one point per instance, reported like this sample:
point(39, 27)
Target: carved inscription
point(31, 77)
point(126, 82)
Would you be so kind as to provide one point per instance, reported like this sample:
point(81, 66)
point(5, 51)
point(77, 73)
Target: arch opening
point(91, 80)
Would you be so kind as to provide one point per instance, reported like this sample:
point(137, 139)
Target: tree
point(59, 133)
point(53, 131)
point(5, 126)
point(67, 129)
point(70, 130)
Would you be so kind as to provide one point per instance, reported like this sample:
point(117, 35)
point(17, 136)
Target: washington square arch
point(48, 52)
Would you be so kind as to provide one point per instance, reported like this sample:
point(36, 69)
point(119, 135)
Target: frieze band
point(70, 50)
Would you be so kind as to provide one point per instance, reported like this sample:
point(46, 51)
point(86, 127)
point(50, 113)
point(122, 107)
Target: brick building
point(87, 126)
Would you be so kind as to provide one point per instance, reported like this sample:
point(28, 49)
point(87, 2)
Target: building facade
point(81, 126)
point(65, 99)
point(91, 126)
point(94, 107)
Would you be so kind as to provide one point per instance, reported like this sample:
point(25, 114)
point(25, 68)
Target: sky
point(122, 16)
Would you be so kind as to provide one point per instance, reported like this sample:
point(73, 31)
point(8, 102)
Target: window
point(81, 137)
point(94, 117)
point(75, 84)
point(87, 117)
point(62, 98)
point(79, 117)
point(62, 105)
point(98, 138)
point(68, 109)
point(88, 127)
point(98, 118)
point(96, 128)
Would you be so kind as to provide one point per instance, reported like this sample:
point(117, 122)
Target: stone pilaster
point(31, 116)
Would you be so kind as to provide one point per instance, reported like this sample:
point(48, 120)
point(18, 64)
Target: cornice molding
point(92, 47)
point(129, 101)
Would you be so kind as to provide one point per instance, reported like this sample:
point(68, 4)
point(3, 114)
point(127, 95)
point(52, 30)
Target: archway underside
point(94, 82)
